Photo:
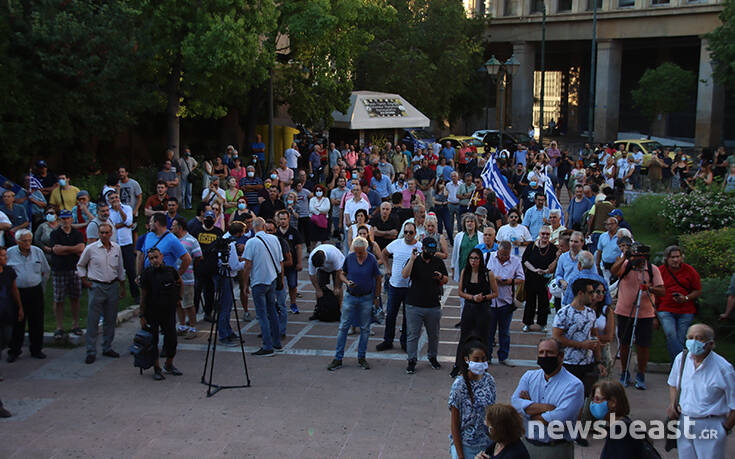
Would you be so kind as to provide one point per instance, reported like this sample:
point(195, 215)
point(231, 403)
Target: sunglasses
point(409, 232)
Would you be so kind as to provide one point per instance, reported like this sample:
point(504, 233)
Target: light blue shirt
point(563, 390)
point(565, 267)
point(608, 247)
point(485, 249)
point(382, 186)
point(585, 274)
point(263, 269)
point(534, 220)
point(520, 157)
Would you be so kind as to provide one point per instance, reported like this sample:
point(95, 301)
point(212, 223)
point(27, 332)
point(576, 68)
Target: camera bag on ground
point(327, 307)
point(143, 350)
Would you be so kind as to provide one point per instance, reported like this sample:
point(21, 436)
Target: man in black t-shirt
point(67, 244)
point(386, 226)
point(205, 283)
point(423, 304)
point(194, 226)
point(296, 246)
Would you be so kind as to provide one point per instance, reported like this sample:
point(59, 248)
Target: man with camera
point(676, 308)
point(639, 282)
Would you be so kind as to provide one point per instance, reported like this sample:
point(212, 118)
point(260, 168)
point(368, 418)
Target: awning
point(379, 110)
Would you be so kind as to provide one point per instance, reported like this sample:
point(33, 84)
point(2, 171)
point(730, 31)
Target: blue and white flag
point(552, 200)
point(493, 179)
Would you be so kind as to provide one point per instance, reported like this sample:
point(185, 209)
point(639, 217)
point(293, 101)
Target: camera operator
point(676, 307)
point(636, 274)
point(160, 287)
point(228, 268)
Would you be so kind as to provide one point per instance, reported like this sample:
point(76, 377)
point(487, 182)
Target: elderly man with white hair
point(585, 270)
point(607, 248)
point(556, 227)
point(702, 396)
point(361, 274)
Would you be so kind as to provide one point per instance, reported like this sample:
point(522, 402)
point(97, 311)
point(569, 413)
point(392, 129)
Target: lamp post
point(499, 71)
point(593, 70)
point(543, 74)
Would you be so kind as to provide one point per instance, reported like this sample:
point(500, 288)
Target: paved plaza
point(295, 408)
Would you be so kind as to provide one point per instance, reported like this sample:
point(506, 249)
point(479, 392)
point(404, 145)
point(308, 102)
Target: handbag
point(319, 220)
point(671, 442)
point(279, 278)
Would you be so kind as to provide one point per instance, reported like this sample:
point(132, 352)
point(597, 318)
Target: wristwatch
point(686, 297)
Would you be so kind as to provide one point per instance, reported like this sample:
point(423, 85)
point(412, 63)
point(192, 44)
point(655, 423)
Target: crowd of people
point(380, 231)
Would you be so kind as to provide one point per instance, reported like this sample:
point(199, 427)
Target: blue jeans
point(453, 211)
point(355, 310)
point(675, 328)
point(469, 451)
point(500, 318)
point(223, 286)
point(282, 297)
point(264, 297)
point(396, 297)
point(442, 217)
point(186, 193)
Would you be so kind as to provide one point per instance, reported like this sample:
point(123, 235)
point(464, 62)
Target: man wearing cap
point(67, 244)
point(618, 214)
point(65, 195)
point(423, 303)
point(48, 179)
point(101, 268)
point(83, 212)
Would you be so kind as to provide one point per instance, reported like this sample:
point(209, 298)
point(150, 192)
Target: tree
point(665, 89)
point(722, 46)
point(69, 72)
point(205, 54)
point(428, 52)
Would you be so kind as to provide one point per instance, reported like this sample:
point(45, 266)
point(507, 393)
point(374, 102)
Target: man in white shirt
point(5, 225)
point(292, 157)
point(706, 408)
point(121, 215)
point(550, 394)
point(353, 203)
point(325, 262)
point(508, 274)
point(263, 266)
point(401, 250)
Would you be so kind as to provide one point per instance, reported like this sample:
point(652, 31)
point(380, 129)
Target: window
point(590, 5)
point(537, 6)
point(659, 2)
point(565, 5)
point(510, 8)
point(626, 3)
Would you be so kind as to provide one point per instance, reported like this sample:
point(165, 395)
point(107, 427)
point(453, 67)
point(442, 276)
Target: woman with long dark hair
point(472, 392)
point(478, 287)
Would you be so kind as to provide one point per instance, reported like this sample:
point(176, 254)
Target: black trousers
point(588, 374)
point(475, 321)
point(164, 320)
point(32, 299)
point(204, 285)
point(537, 297)
point(128, 254)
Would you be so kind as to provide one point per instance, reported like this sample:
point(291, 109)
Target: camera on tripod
point(638, 255)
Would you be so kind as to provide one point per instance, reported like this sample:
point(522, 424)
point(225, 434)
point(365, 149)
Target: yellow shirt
point(69, 197)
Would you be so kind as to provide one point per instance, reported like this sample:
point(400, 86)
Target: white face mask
point(319, 194)
point(251, 174)
point(477, 368)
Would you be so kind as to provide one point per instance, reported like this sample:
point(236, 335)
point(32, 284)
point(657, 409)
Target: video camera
point(638, 255)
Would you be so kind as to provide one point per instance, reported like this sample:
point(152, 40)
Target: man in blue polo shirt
point(168, 244)
point(448, 152)
point(607, 248)
point(381, 184)
point(536, 216)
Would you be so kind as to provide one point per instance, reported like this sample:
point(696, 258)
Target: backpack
point(327, 307)
point(211, 256)
point(143, 350)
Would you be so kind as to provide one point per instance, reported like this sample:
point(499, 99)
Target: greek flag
point(493, 179)
point(552, 200)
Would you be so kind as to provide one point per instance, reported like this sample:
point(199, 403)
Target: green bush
point(649, 226)
point(699, 211)
point(712, 253)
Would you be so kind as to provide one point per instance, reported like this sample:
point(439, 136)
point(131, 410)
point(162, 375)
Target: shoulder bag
point(279, 278)
point(695, 301)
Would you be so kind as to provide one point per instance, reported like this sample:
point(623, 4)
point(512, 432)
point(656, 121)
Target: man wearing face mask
point(65, 195)
point(423, 307)
point(546, 395)
point(706, 396)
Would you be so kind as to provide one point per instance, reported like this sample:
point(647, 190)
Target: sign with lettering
point(384, 108)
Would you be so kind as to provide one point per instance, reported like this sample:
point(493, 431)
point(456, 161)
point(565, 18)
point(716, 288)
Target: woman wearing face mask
point(274, 179)
point(292, 211)
point(232, 194)
point(242, 213)
point(505, 429)
point(472, 392)
point(42, 236)
point(319, 216)
point(478, 287)
point(608, 401)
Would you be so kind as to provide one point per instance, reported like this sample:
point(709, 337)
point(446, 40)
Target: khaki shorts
point(187, 298)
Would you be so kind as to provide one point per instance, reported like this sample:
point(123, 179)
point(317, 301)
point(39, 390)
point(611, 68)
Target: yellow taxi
point(456, 141)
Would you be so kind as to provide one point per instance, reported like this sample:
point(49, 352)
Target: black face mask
point(208, 221)
point(548, 364)
point(427, 255)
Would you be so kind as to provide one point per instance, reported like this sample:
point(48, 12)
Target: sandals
point(59, 334)
point(77, 331)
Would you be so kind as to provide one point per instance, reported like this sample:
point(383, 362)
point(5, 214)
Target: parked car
point(479, 135)
point(510, 139)
point(417, 138)
point(456, 141)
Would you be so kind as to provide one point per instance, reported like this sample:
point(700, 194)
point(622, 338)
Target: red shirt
point(689, 278)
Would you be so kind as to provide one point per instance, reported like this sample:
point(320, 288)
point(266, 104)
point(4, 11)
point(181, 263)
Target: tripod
point(223, 273)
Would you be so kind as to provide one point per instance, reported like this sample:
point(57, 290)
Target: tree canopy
point(722, 46)
point(665, 89)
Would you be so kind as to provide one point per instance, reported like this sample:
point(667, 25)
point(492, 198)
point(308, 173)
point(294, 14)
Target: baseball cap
point(209, 213)
point(82, 193)
point(41, 163)
point(65, 214)
point(429, 245)
point(616, 213)
point(481, 210)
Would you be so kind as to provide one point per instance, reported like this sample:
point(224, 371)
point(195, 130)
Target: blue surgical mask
point(696, 347)
point(532, 184)
point(62, 182)
point(599, 410)
point(290, 201)
point(274, 176)
point(50, 217)
point(241, 206)
point(477, 368)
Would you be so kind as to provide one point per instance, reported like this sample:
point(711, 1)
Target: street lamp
point(499, 71)
point(543, 74)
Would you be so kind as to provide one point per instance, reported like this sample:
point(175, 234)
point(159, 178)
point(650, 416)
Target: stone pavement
point(295, 408)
